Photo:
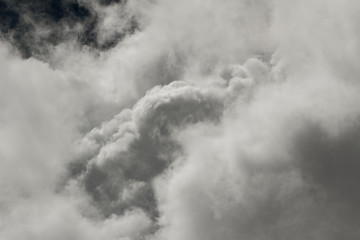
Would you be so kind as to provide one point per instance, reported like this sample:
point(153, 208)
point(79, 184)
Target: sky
point(173, 120)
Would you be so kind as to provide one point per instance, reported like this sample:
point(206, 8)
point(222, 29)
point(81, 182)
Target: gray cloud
point(213, 120)
point(35, 27)
point(137, 145)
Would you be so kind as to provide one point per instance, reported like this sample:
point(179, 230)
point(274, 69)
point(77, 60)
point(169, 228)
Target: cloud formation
point(213, 120)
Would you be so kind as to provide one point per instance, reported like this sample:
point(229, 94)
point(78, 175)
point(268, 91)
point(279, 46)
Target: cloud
point(35, 27)
point(280, 166)
point(213, 120)
point(56, 217)
point(136, 146)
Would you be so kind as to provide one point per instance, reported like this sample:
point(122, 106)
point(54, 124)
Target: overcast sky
point(179, 120)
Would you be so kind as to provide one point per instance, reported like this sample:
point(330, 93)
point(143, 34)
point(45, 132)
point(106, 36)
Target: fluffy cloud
point(215, 120)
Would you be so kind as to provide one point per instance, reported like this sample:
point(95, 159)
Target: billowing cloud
point(175, 120)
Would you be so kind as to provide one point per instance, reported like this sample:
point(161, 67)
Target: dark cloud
point(35, 26)
point(331, 165)
point(109, 2)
